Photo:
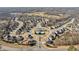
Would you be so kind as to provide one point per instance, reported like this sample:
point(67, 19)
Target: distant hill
point(4, 11)
point(32, 9)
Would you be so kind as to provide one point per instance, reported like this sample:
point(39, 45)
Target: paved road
point(63, 26)
point(37, 48)
point(20, 25)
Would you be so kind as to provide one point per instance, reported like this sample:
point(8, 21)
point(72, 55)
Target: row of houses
point(19, 39)
point(54, 35)
point(13, 39)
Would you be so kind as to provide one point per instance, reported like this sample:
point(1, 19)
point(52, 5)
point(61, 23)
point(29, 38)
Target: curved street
point(20, 25)
point(37, 48)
